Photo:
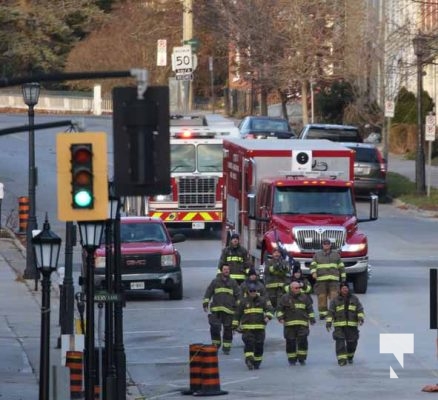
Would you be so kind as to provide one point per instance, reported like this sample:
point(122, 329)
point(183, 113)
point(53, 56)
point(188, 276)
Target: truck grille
point(142, 263)
point(197, 192)
point(310, 239)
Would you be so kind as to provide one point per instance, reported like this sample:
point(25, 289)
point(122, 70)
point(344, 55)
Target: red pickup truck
point(149, 259)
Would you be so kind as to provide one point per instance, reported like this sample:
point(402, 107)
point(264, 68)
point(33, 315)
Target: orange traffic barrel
point(210, 382)
point(23, 213)
point(74, 362)
point(195, 364)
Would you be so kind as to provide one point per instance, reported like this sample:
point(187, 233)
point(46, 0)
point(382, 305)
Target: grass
point(402, 188)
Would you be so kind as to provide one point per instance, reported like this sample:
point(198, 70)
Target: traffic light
point(81, 159)
point(141, 138)
point(82, 176)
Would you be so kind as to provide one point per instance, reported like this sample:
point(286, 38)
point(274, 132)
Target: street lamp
point(46, 246)
point(110, 379)
point(91, 235)
point(421, 51)
point(31, 93)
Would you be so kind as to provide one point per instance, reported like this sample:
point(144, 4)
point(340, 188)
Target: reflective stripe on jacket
point(328, 267)
point(345, 311)
point(251, 313)
point(295, 309)
point(224, 294)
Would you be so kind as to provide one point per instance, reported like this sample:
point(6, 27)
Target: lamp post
point(421, 51)
point(31, 93)
point(46, 246)
point(90, 234)
point(110, 379)
point(119, 349)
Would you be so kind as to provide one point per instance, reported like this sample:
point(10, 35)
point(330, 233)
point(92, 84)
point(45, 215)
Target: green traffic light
point(83, 199)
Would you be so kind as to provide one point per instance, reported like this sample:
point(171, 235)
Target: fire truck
point(293, 194)
point(196, 154)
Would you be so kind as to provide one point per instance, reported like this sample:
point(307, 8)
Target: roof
point(361, 145)
point(292, 144)
point(138, 218)
point(332, 126)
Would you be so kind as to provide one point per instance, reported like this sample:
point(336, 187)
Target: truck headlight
point(100, 262)
point(163, 197)
point(168, 260)
point(354, 247)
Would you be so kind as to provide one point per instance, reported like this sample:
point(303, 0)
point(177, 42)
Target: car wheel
point(176, 293)
point(360, 282)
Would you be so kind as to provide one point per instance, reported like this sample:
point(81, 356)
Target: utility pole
point(187, 35)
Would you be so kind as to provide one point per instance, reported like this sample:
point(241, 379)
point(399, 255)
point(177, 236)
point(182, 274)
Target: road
point(158, 332)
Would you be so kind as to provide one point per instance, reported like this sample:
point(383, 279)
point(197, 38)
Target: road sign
point(182, 58)
point(430, 127)
point(389, 108)
point(184, 77)
point(194, 43)
point(107, 297)
point(161, 52)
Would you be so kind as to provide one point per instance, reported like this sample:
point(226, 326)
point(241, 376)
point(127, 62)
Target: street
point(158, 331)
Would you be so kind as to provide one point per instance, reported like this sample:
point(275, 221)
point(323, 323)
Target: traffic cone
point(195, 364)
point(74, 362)
point(210, 382)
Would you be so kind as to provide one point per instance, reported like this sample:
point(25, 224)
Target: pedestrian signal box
point(82, 176)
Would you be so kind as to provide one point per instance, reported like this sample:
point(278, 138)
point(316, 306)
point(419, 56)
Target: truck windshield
point(313, 200)
point(196, 157)
point(152, 232)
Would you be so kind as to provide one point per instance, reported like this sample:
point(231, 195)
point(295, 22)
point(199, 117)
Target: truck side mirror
point(251, 205)
point(374, 207)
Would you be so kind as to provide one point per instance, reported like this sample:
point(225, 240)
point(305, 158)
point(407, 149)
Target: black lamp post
point(119, 348)
point(46, 246)
point(31, 94)
point(110, 379)
point(421, 51)
point(91, 235)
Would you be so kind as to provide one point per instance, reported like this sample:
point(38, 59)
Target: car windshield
point(140, 232)
point(337, 135)
point(313, 200)
point(196, 157)
point(269, 124)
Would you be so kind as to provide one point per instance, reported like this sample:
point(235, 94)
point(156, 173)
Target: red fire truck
point(294, 194)
point(196, 155)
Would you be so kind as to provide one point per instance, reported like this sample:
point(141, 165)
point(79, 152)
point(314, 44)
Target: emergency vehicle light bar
point(312, 174)
point(189, 134)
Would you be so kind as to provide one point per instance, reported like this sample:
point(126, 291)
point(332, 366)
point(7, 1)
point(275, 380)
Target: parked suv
point(149, 259)
point(335, 133)
point(369, 170)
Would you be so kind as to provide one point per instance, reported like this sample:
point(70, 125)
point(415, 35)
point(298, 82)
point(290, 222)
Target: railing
point(59, 102)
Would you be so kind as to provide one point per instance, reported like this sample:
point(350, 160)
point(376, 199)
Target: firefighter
point(252, 278)
point(297, 276)
point(327, 270)
point(221, 297)
point(251, 317)
point(345, 314)
point(295, 312)
point(277, 276)
point(236, 256)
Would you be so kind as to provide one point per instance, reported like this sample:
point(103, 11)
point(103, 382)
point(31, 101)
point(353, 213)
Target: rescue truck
point(196, 154)
point(294, 194)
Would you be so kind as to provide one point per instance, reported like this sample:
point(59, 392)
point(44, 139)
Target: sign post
point(430, 137)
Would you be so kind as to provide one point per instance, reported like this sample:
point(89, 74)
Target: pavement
point(20, 312)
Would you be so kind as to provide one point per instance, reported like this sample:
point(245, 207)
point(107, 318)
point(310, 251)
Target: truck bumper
point(354, 265)
point(137, 282)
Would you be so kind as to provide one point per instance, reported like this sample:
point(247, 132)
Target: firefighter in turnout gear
point(327, 270)
point(221, 296)
point(297, 276)
point(252, 278)
point(251, 317)
point(345, 314)
point(277, 276)
point(295, 312)
point(236, 256)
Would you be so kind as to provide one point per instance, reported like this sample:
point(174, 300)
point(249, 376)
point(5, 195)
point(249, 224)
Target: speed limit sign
point(182, 59)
